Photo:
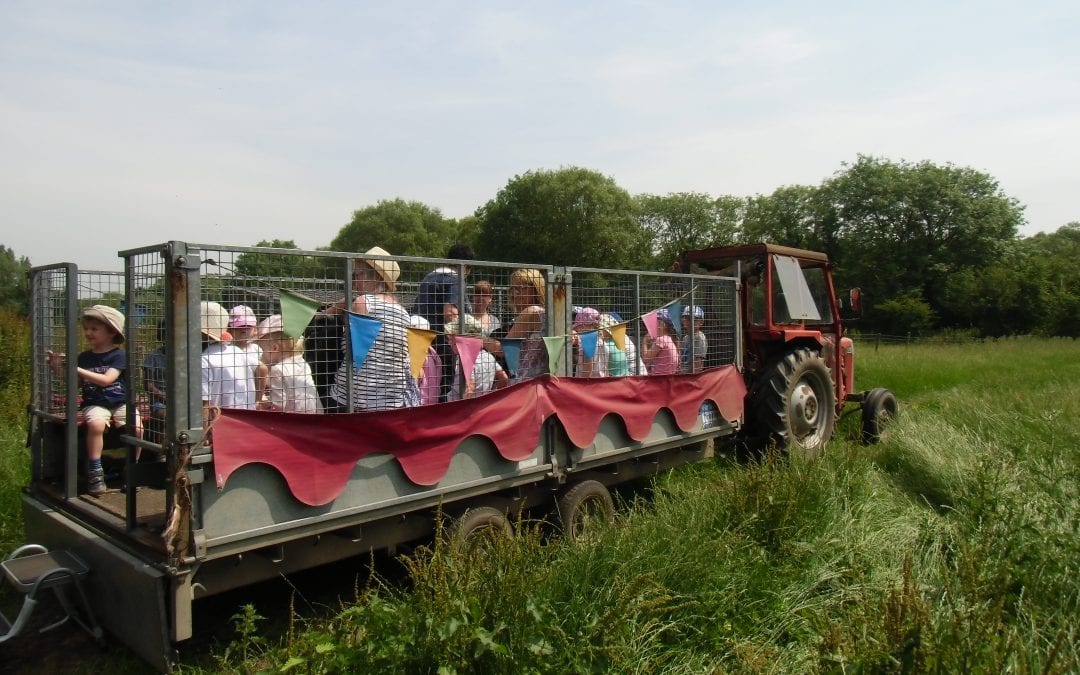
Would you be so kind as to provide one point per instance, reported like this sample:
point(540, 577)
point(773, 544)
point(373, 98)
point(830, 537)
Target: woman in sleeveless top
point(527, 297)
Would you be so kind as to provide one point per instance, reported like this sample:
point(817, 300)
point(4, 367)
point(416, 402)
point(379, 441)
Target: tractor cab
point(790, 321)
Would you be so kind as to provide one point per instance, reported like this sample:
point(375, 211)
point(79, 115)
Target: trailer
point(220, 503)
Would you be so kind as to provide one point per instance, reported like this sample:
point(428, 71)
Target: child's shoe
point(95, 482)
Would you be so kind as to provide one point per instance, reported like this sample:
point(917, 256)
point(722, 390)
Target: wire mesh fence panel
point(59, 297)
point(666, 323)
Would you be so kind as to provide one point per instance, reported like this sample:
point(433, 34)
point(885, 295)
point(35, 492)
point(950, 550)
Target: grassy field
point(952, 546)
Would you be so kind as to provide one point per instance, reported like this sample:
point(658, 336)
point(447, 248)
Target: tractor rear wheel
point(795, 404)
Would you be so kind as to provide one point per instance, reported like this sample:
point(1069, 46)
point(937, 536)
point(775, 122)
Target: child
point(587, 320)
point(661, 354)
point(291, 386)
point(242, 331)
point(227, 371)
point(693, 319)
point(487, 374)
point(101, 370)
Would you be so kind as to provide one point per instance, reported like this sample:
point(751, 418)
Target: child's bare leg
point(95, 438)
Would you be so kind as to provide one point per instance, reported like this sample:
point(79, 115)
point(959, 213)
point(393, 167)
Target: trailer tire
point(583, 505)
point(478, 527)
point(878, 409)
point(795, 405)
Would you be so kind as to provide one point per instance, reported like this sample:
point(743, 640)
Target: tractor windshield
point(799, 295)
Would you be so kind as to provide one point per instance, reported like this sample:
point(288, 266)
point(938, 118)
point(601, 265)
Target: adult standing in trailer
point(380, 381)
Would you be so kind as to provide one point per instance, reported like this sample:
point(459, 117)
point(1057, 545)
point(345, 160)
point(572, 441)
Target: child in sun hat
point(102, 371)
point(291, 387)
point(228, 372)
point(587, 320)
point(661, 354)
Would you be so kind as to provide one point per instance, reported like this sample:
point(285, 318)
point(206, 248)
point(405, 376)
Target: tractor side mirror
point(855, 300)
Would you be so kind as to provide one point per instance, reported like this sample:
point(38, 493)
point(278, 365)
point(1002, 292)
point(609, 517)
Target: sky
point(126, 124)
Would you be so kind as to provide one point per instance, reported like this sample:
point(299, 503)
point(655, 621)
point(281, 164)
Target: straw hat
point(213, 320)
point(108, 316)
point(387, 269)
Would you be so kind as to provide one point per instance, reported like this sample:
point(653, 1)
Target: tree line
point(932, 247)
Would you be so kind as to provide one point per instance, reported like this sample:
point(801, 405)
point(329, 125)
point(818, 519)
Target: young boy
point(291, 386)
point(693, 320)
point(101, 370)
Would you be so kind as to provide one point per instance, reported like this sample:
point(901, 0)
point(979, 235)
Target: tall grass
point(952, 546)
point(14, 396)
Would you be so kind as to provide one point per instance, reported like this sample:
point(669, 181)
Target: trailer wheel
point(795, 404)
point(878, 409)
point(583, 506)
point(477, 528)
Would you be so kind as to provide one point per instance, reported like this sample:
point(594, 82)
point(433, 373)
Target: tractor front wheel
point(878, 409)
point(795, 404)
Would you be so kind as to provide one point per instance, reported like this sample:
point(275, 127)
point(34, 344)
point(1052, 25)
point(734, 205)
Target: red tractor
point(799, 366)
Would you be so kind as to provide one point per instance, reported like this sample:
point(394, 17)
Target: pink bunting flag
point(467, 348)
point(650, 320)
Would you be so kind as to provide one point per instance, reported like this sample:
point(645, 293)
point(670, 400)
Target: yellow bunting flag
point(419, 342)
point(618, 334)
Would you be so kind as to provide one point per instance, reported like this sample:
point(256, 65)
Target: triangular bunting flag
point(618, 334)
point(588, 343)
point(467, 348)
point(296, 312)
point(675, 311)
point(419, 342)
point(511, 348)
point(650, 323)
point(362, 333)
point(555, 349)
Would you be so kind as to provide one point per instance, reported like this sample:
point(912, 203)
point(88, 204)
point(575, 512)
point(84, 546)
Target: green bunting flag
point(296, 312)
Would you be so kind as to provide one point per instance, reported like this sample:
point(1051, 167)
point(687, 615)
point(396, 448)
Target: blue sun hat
point(696, 312)
point(664, 316)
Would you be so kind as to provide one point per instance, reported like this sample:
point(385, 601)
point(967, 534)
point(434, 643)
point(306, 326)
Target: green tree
point(682, 221)
point(268, 264)
point(571, 216)
point(1050, 259)
point(14, 282)
point(900, 228)
point(399, 227)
